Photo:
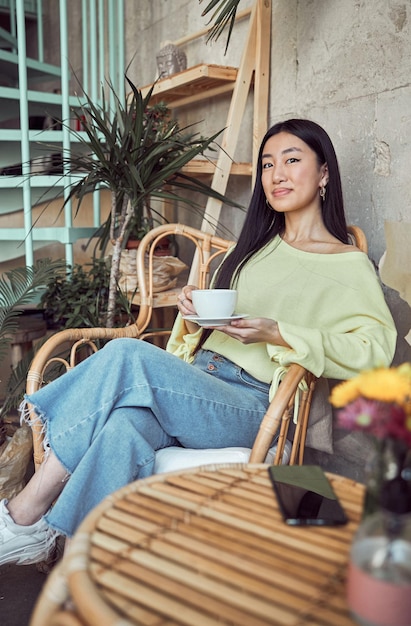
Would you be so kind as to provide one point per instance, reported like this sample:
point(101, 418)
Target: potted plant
point(18, 287)
point(77, 297)
point(136, 151)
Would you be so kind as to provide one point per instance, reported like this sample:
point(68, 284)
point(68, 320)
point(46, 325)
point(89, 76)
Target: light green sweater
point(329, 307)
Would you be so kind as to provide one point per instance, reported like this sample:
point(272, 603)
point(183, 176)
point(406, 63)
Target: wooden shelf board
point(202, 167)
point(195, 82)
point(161, 299)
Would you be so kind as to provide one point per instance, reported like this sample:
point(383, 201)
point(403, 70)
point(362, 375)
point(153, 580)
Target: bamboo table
point(198, 548)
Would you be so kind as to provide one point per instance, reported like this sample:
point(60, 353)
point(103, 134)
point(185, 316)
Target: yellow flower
point(405, 370)
point(387, 385)
point(344, 393)
point(383, 384)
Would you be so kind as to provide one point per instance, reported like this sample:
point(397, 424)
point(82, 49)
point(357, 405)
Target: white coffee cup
point(214, 303)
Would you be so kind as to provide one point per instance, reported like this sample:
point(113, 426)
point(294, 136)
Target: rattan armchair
point(207, 248)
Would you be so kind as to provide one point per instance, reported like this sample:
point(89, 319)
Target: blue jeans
point(105, 418)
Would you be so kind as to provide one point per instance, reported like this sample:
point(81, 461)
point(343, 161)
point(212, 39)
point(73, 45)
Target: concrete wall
point(345, 65)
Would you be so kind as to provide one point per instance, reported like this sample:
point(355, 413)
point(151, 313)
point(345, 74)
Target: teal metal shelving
point(30, 6)
point(26, 98)
point(36, 70)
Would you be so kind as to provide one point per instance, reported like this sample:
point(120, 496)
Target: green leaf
point(19, 287)
point(133, 149)
point(224, 15)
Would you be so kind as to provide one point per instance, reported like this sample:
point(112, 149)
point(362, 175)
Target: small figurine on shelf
point(170, 60)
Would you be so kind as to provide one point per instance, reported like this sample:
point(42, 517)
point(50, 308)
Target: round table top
point(207, 546)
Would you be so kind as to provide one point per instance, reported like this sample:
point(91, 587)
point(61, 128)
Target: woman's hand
point(185, 301)
point(255, 330)
point(186, 307)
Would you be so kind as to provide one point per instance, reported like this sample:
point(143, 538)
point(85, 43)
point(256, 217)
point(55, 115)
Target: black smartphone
point(305, 496)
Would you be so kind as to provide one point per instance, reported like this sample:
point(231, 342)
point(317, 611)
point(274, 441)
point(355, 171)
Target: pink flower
point(381, 419)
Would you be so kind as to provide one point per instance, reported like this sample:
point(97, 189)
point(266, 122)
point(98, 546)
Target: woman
point(311, 298)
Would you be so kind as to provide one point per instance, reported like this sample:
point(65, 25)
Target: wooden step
point(7, 40)
point(36, 70)
point(40, 103)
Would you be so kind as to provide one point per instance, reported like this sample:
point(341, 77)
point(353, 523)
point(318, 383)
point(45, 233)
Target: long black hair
point(263, 223)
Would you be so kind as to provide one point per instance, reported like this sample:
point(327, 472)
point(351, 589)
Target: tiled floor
point(19, 589)
point(20, 586)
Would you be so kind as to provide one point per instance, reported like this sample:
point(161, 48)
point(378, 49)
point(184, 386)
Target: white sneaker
point(24, 545)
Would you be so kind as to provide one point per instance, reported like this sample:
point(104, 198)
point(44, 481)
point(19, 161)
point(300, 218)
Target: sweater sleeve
point(182, 343)
point(336, 355)
point(360, 335)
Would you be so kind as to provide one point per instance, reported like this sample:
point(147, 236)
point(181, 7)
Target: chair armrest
point(275, 412)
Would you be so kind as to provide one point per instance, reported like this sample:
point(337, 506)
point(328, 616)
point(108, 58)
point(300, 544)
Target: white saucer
point(214, 321)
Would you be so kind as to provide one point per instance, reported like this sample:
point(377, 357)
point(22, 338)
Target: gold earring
point(322, 192)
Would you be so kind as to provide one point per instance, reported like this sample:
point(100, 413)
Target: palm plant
point(19, 287)
point(127, 150)
point(223, 16)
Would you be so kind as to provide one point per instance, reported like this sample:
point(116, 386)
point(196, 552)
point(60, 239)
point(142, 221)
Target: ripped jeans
point(105, 419)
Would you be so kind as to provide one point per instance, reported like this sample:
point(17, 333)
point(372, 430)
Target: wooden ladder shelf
point(205, 81)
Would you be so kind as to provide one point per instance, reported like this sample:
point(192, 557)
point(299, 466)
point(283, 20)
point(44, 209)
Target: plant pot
point(166, 269)
point(132, 244)
point(163, 247)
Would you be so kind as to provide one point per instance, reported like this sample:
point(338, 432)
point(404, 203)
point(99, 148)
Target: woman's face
point(291, 176)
